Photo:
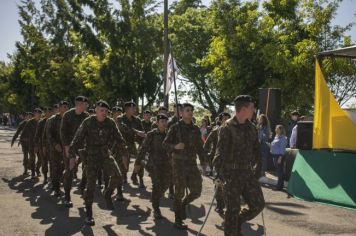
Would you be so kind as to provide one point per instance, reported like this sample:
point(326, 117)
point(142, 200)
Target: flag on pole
point(172, 73)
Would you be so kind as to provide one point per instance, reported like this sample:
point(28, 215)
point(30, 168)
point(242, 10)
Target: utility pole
point(166, 51)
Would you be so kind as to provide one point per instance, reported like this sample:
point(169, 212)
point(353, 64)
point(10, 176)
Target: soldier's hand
point(66, 150)
point(58, 147)
point(71, 163)
point(179, 146)
point(125, 161)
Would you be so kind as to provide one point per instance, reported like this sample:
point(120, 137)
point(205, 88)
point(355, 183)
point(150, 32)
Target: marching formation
point(57, 140)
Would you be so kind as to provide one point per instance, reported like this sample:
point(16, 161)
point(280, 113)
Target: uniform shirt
point(70, 123)
point(211, 141)
point(127, 127)
point(53, 130)
point(29, 132)
point(39, 132)
point(153, 146)
point(189, 134)
point(147, 126)
point(238, 147)
point(98, 137)
point(278, 145)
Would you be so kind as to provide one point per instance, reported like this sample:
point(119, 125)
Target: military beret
point(130, 104)
point(244, 98)
point(147, 112)
point(295, 113)
point(187, 104)
point(81, 99)
point(55, 105)
point(64, 103)
point(37, 110)
point(162, 117)
point(222, 114)
point(102, 103)
point(91, 111)
point(162, 108)
point(116, 109)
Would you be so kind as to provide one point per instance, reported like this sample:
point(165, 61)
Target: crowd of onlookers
point(7, 119)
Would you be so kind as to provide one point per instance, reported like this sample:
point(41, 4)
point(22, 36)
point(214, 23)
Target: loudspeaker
point(270, 105)
point(305, 135)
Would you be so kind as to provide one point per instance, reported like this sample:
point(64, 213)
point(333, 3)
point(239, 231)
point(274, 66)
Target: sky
point(10, 29)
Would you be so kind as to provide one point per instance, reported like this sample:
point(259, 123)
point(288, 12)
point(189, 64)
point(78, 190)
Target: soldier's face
point(162, 124)
point(187, 113)
point(101, 113)
point(224, 119)
point(37, 115)
point(146, 117)
point(63, 108)
point(250, 110)
point(130, 110)
point(82, 106)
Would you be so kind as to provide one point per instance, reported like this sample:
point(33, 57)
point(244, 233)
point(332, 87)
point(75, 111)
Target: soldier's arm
point(168, 142)
point(44, 133)
point(257, 155)
point(119, 141)
point(145, 147)
point(65, 137)
point(221, 148)
point(18, 132)
point(78, 139)
point(37, 135)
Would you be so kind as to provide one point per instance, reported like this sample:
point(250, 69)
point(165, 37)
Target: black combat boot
point(45, 179)
point(134, 179)
point(89, 220)
point(184, 210)
point(67, 201)
point(178, 223)
point(142, 185)
point(119, 196)
point(108, 200)
point(33, 175)
point(157, 213)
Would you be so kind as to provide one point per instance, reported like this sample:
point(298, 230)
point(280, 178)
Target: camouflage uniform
point(98, 137)
point(28, 134)
point(210, 148)
point(185, 170)
point(24, 144)
point(39, 144)
point(56, 157)
point(126, 127)
point(147, 126)
point(46, 144)
point(158, 165)
point(69, 125)
point(237, 160)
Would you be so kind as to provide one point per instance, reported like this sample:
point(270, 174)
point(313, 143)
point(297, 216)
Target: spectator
point(264, 136)
point(294, 120)
point(278, 149)
point(293, 136)
point(204, 130)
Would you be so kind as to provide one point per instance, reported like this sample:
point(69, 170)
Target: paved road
point(27, 208)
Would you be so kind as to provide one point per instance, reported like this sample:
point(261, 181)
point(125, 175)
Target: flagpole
point(166, 53)
point(174, 77)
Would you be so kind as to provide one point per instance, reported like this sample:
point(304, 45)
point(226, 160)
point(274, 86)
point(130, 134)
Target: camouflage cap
point(81, 99)
point(116, 109)
point(130, 104)
point(162, 117)
point(244, 98)
point(102, 103)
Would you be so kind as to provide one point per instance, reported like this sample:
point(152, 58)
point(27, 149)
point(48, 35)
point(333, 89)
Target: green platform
point(324, 176)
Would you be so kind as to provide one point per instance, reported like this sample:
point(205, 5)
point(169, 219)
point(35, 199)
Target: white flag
point(169, 79)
